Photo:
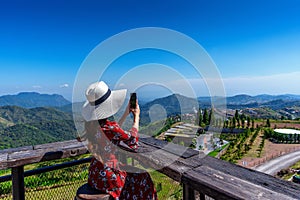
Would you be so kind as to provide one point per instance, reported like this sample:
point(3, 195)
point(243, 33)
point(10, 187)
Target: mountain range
point(243, 99)
point(33, 99)
point(33, 118)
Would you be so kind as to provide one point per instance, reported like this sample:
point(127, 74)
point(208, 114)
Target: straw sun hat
point(101, 101)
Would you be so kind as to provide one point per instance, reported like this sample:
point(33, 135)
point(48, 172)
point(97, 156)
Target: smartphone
point(132, 100)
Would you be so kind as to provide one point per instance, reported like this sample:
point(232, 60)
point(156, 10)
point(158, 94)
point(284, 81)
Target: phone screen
point(132, 100)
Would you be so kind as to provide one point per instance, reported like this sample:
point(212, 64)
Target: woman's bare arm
point(123, 118)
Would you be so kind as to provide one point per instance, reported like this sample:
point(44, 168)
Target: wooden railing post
point(188, 193)
point(18, 183)
point(202, 196)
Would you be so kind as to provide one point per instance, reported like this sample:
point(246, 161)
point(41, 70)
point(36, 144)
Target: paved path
point(273, 166)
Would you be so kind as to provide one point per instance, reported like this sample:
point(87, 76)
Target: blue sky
point(255, 44)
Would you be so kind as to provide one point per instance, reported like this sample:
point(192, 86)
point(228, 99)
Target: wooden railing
point(206, 175)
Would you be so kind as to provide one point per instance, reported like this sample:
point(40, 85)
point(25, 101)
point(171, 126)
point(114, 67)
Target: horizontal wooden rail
point(48, 168)
point(209, 176)
point(33, 154)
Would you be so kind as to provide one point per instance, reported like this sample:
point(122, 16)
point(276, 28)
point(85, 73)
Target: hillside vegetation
point(23, 127)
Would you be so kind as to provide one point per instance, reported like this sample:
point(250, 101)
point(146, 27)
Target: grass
point(215, 152)
point(170, 189)
point(253, 152)
point(294, 166)
point(5, 172)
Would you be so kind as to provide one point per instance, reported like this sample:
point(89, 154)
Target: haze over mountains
point(33, 99)
point(33, 118)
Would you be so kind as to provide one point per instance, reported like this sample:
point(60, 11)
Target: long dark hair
point(91, 127)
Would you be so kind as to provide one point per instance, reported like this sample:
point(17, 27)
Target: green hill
point(22, 127)
point(171, 105)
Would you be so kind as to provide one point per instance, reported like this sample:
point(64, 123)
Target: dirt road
point(273, 166)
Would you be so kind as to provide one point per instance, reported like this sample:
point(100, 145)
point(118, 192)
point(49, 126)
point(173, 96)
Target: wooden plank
point(219, 185)
point(3, 160)
point(24, 157)
point(156, 159)
point(65, 149)
point(25, 148)
point(163, 161)
point(39, 154)
point(252, 176)
point(179, 150)
point(175, 170)
point(194, 161)
point(55, 144)
point(167, 163)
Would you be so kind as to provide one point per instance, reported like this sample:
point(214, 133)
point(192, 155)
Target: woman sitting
point(106, 173)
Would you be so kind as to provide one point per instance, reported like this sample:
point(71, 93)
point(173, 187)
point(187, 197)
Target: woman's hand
point(136, 116)
point(128, 110)
point(135, 111)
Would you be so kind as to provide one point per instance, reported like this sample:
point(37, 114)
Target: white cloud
point(121, 85)
point(64, 85)
point(36, 86)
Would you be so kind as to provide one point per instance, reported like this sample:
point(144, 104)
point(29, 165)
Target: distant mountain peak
point(33, 99)
point(28, 93)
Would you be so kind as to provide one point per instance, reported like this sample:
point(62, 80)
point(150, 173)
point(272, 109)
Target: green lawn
point(170, 189)
point(215, 152)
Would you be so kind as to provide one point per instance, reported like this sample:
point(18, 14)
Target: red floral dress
point(108, 177)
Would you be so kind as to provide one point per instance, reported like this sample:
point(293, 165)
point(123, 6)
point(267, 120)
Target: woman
point(104, 136)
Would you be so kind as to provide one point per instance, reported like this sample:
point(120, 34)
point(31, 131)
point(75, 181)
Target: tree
point(211, 117)
point(237, 118)
point(243, 117)
point(236, 115)
point(268, 124)
point(243, 123)
point(290, 137)
point(285, 138)
point(280, 138)
point(238, 122)
point(205, 117)
point(193, 144)
point(199, 118)
point(233, 122)
point(226, 122)
point(248, 122)
point(252, 123)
